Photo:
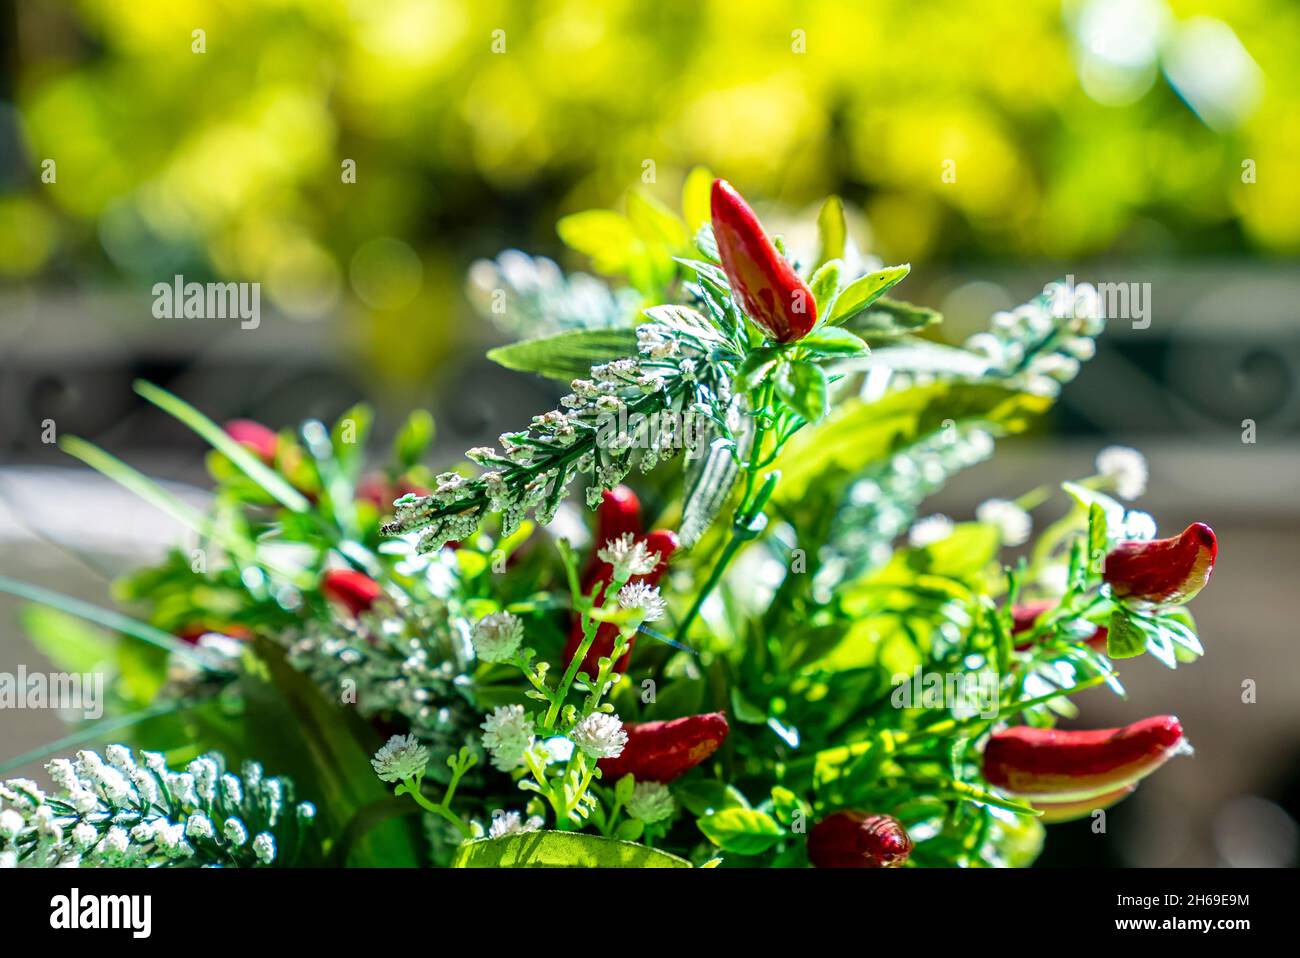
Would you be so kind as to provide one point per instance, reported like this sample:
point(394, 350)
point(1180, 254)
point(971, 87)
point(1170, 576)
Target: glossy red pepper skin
point(1064, 766)
point(350, 589)
point(256, 438)
point(1024, 615)
point(762, 280)
point(1163, 571)
point(619, 513)
point(664, 751)
point(854, 839)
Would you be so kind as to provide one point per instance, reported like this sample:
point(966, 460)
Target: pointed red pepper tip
point(353, 590)
point(664, 751)
point(258, 439)
point(1163, 571)
point(762, 280)
point(855, 839)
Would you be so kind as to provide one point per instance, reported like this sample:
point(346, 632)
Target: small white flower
point(644, 598)
point(651, 802)
point(629, 556)
point(497, 637)
point(8, 859)
point(63, 774)
point(198, 826)
point(1126, 470)
point(143, 833)
point(11, 823)
point(264, 848)
point(84, 835)
point(1139, 525)
point(1012, 522)
point(600, 735)
point(511, 823)
point(929, 530)
point(235, 832)
point(403, 757)
point(557, 748)
point(115, 842)
point(507, 734)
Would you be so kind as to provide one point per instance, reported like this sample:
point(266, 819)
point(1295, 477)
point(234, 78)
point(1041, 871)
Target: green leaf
point(859, 434)
point(697, 199)
point(568, 355)
point(757, 366)
point(834, 341)
point(629, 830)
point(825, 284)
point(864, 291)
point(623, 788)
point(607, 237)
point(804, 388)
point(348, 438)
point(887, 319)
point(1112, 511)
point(1124, 637)
point(413, 438)
point(1097, 537)
point(832, 233)
point(547, 849)
point(272, 482)
point(686, 322)
point(743, 831)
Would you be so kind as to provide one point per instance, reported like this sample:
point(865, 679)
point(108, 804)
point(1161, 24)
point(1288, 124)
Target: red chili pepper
point(853, 839)
point(353, 590)
point(1025, 615)
point(619, 513)
point(664, 751)
point(256, 438)
point(1064, 766)
point(1056, 812)
point(1163, 571)
point(762, 280)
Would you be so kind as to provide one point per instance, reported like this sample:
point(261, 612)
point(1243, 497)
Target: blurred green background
point(995, 145)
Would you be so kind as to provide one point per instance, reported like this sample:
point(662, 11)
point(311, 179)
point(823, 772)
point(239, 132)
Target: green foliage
point(561, 850)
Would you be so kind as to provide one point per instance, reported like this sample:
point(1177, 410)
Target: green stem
point(590, 627)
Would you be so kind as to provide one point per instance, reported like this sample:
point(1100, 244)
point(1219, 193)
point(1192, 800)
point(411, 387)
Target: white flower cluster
point(508, 735)
point(1013, 523)
point(929, 530)
point(497, 637)
point(115, 811)
point(1125, 469)
point(643, 598)
point(651, 802)
point(400, 758)
point(512, 823)
point(600, 735)
point(677, 376)
point(530, 296)
point(629, 556)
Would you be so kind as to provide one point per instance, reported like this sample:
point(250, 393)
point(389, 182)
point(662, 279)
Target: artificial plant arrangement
point(762, 656)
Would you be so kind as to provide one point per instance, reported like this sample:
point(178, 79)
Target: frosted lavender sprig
point(121, 810)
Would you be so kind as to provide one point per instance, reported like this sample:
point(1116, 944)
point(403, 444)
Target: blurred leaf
point(1124, 639)
point(834, 341)
point(547, 849)
point(705, 488)
point(825, 283)
point(697, 192)
point(832, 233)
point(413, 438)
point(890, 318)
point(607, 237)
point(566, 356)
point(655, 222)
point(70, 643)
